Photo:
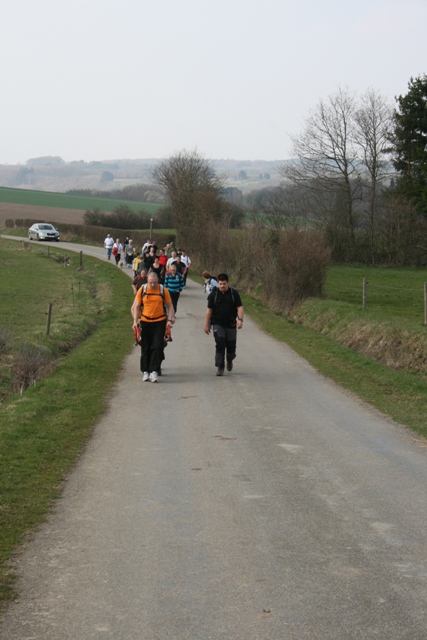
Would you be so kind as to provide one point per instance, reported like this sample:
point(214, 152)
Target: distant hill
point(51, 173)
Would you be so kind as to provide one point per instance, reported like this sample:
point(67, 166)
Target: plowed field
point(37, 213)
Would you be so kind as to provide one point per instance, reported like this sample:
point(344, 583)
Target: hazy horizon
point(132, 160)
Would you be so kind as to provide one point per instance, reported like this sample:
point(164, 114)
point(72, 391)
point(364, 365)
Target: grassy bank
point(43, 430)
point(390, 329)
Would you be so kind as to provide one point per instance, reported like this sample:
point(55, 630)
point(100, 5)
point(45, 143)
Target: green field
point(391, 293)
point(65, 201)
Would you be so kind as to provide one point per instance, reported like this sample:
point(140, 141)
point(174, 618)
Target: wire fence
point(393, 288)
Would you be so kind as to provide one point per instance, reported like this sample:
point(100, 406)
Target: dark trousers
point(174, 297)
point(225, 340)
point(152, 345)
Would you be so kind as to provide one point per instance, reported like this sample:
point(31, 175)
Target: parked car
point(43, 231)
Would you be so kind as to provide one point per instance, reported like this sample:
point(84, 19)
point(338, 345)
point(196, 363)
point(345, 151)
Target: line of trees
point(123, 217)
point(133, 192)
point(360, 175)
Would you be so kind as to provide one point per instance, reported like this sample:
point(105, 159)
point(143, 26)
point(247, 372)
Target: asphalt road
point(267, 504)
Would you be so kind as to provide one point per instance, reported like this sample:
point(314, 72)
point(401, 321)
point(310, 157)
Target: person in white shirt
point(186, 260)
point(108, 244)
point(117, 250)
point(170, 261)
point(146, 246)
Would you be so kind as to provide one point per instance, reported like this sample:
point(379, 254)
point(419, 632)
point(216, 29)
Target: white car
point(43, 231)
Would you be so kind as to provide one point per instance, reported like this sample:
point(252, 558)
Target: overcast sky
point(110, 79)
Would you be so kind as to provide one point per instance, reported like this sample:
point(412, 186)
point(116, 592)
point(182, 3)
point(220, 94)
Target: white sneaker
point(153, 376)
point(145, 376)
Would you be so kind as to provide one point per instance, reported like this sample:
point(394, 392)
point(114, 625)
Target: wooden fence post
point(81, 258)
point(49, 317)
point(364, 293)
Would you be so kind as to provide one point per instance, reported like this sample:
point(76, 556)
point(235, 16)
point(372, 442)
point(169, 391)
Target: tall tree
point(410, 142)
point(374, 120)
point(327, 161)
point(201, 213)
point(189, 181)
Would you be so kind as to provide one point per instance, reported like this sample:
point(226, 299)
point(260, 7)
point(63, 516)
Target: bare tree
point(327, 160)
point(374, 125)
point(189, 181)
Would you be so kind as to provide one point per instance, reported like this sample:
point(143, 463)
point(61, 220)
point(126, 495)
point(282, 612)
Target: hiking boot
point(145, 376)
point(220, 371)
point(229, 365)
point(153, 376)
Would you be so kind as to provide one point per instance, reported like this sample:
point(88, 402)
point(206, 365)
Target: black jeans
point(152, 345)
point(225, 340)
point(174, 297)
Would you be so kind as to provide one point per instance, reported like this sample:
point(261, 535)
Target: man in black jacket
point(225, 315)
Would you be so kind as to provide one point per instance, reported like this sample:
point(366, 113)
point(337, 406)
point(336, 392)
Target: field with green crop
point(65, 201)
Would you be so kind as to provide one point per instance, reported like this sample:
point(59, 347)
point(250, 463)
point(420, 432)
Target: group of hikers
point(159, 278)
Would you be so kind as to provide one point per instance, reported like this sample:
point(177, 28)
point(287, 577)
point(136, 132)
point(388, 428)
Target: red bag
point(168, 334)
point(137, 335)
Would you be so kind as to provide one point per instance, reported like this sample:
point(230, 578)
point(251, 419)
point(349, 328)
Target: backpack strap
point(216, 294)
point(144, 291)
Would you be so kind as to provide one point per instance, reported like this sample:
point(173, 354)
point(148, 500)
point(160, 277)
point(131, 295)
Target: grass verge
point(43, 430)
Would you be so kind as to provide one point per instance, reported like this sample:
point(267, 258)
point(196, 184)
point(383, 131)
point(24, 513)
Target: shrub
point(123, 217)
point(302, 261)
point(31, 363)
